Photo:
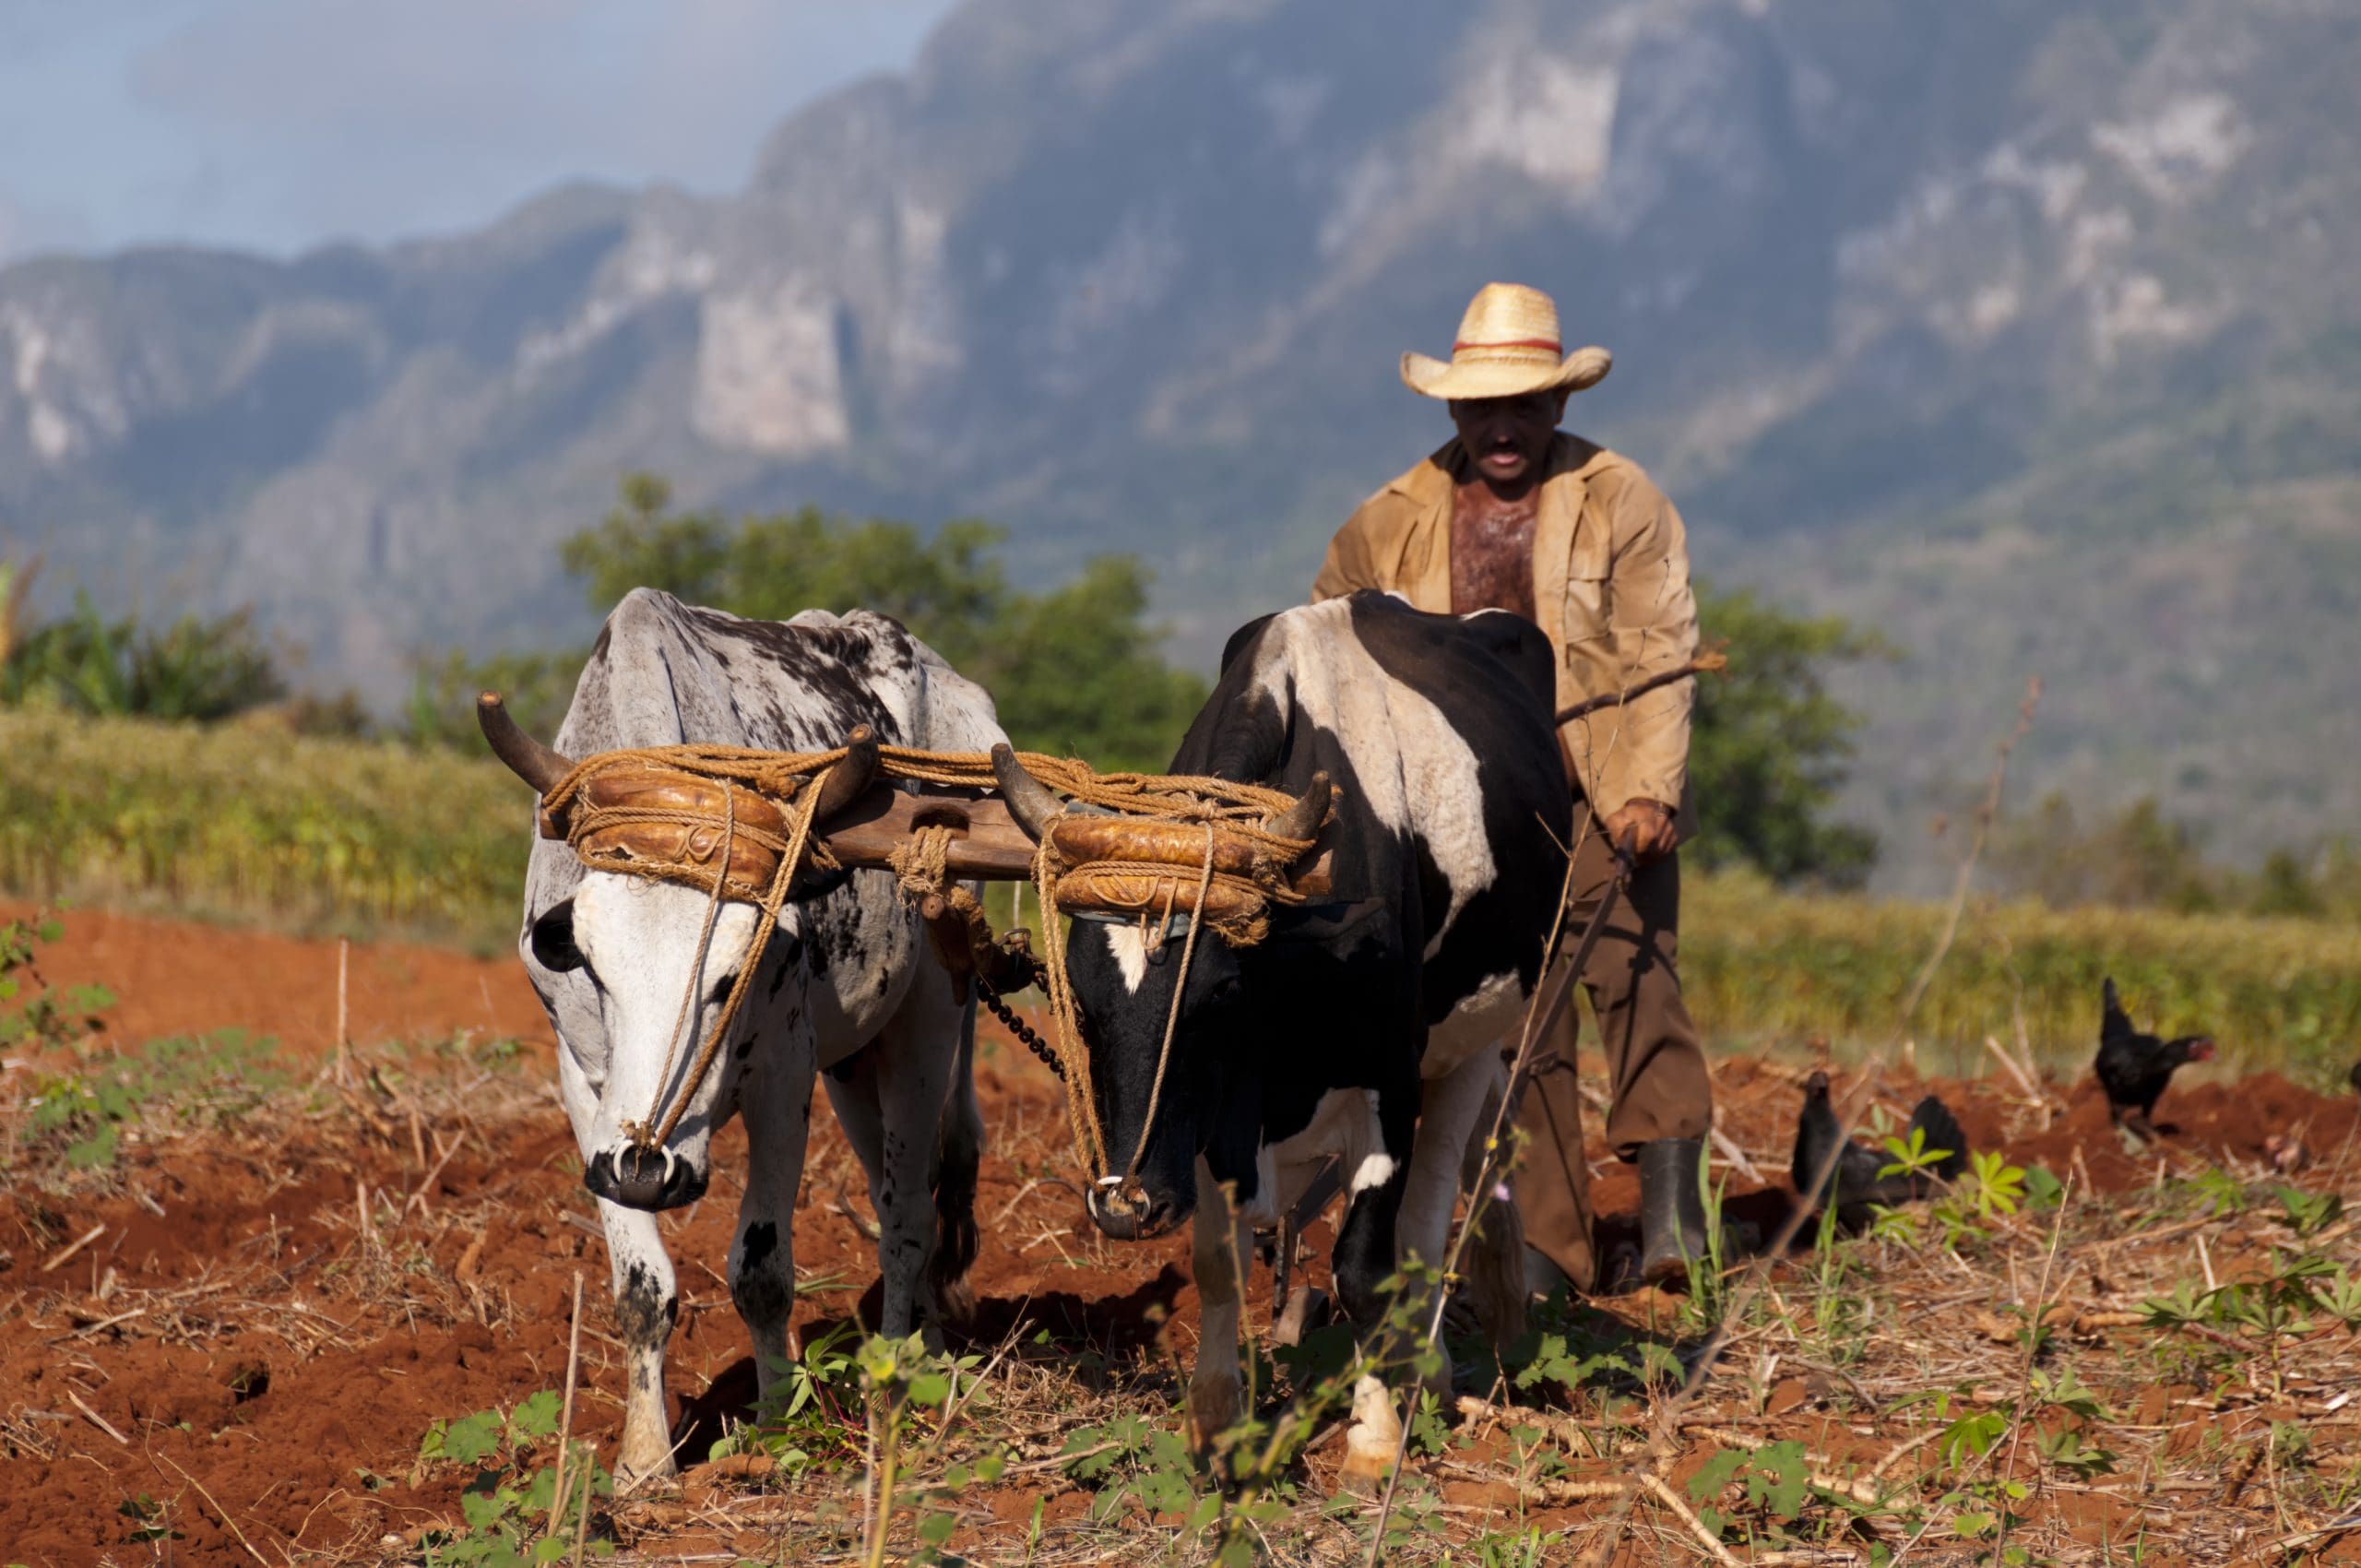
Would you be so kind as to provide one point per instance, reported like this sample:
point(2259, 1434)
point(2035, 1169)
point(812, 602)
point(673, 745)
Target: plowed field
point(226, 1342)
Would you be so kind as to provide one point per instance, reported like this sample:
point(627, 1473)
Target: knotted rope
point(653, 812)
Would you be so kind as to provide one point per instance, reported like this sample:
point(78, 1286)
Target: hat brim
point(1461, 379)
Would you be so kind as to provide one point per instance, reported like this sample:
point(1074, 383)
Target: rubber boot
point(1672, 1215)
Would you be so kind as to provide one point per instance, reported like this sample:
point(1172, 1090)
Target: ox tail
point(959, 1148)
point(1493, 1264)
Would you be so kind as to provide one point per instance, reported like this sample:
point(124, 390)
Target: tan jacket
point(1610, 589)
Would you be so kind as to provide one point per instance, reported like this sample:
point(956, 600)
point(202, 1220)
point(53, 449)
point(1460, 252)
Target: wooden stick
point(1703, 664)
point(582, 1513)
point(220, 1513)
point(361, 1207)
point(343, 1058)
point(1679, 1510)
point(1985, 816)
point(1999, 1053)
point(97, 1420)
point(52, 1264)
point(417, 1199)
point(566, 1415)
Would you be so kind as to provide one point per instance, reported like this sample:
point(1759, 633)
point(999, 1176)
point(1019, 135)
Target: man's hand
point(1650, 825)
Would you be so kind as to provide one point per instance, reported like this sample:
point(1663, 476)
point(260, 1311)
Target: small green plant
point(2044, 1191)
point(151, 1521)
point(901, 1378)
point(2070, 1449)
point(32, 1014)
point(1708, 1296)
point(807, 1418)
point(1840, 1314)
point(1989, 1189)
point(1776, 1479)
point(2307, 1214)
point(508, 1507)
point(198, 1077)
point(1528, 1547)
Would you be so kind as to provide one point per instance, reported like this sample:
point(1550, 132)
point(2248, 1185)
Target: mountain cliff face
point(2025, 331)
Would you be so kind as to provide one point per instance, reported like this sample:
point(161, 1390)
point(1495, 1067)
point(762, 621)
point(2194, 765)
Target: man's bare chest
point(1491, 552)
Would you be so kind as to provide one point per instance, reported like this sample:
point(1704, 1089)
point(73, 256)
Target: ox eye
point(552, 940)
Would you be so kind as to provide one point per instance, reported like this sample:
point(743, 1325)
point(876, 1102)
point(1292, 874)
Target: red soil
point(262, 1383)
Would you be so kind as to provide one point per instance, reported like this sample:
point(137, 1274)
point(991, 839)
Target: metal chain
point(1027, 1035)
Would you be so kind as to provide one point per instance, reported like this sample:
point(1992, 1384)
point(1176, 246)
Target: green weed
point(508, 1506)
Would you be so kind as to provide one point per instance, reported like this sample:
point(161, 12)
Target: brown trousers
point(1654, 1061)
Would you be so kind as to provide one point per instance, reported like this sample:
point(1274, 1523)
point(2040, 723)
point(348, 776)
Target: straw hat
point(1507, 347)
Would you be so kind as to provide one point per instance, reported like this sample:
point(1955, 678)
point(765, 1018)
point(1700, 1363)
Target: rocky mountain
point(2023, 331)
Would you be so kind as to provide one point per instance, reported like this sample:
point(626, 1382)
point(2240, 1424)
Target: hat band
point(1549, 344)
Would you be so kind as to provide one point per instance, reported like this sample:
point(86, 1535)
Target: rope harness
point(739, 824)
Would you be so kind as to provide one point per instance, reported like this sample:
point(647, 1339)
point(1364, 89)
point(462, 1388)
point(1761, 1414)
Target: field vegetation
point(252, 823)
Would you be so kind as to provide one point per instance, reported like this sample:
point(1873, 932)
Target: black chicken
point(2133, 1068)
point(1854, 1173)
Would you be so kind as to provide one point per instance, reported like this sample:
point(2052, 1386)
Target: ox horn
point(1032, 805)
point(540, 766)
point(1303, 819)
point(851, 777)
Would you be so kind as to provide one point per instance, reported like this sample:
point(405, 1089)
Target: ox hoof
point(1369, 1459)
point(642, 1467)
point(1213, 1411)
point(1306, 1309)
point(1372, 1442)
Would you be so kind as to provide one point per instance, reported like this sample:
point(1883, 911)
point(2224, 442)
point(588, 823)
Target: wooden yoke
point(984, 842)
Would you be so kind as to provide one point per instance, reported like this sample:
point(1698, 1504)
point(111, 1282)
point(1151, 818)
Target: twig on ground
point(2034, 1091)
point(1657, 1488)
point(96, 1419)
point(61, 1258)
point(566, 1411)
point(220, 1513)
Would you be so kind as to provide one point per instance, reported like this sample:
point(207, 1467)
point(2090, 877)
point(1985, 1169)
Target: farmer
point(1515, 514)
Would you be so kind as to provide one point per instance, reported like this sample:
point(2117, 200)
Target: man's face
point(1507, 436)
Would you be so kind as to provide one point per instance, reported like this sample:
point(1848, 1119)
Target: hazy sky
point(280, 123)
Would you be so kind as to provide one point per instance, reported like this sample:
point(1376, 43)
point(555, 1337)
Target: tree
point(1769, 748)
point(192, 669)
point(1075, 669)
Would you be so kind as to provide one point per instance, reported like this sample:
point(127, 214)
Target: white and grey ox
point(849, 985)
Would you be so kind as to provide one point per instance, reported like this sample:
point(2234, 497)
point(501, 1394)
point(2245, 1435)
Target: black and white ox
point(1366, 1026)
point(849, 985)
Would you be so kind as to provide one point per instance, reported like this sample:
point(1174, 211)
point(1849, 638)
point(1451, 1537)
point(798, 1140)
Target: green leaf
point(472, 1438)
point(935, 1528)
point(1776, 1477)
point(536, 1417)
point(1714, 1474)
point(1972, 1437)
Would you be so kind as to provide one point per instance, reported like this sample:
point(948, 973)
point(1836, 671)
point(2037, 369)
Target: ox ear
point(552, 939)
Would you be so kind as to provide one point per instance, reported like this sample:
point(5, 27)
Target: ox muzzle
point(1127, 1212)
point(638, 1177)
